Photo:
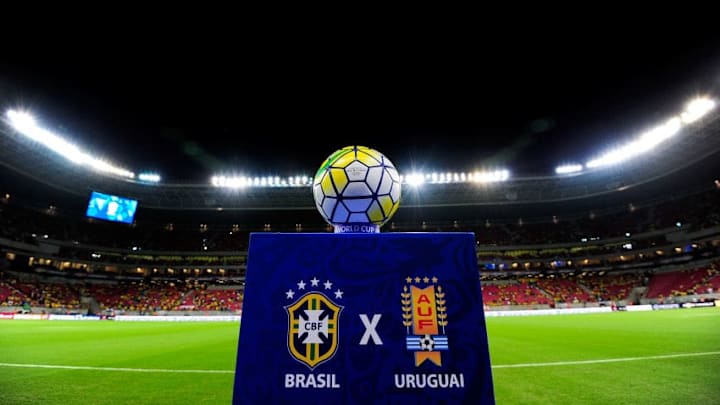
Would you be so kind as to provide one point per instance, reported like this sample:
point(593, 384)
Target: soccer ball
point(357, 185)
point(427, 343)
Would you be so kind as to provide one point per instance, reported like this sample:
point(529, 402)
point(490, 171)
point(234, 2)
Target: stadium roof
point(527, 108)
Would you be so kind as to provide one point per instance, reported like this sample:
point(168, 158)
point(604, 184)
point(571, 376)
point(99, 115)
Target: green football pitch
point(661, 357)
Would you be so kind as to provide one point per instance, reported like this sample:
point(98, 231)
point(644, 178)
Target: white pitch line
point(137, 370)
point(165, 370)
point(617, 360)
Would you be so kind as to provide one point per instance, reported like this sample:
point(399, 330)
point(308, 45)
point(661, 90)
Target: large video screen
point(111, 208)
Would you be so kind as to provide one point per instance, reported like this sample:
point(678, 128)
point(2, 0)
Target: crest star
point(338, 294)
point(426, 280)
point(301, 285)
point(417, 279)
point(314, 282)
point(434, 279)
point(409, 280)
point(290, 294)
point(328, 285)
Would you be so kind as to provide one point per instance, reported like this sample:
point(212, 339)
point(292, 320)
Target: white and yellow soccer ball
point(357, 186)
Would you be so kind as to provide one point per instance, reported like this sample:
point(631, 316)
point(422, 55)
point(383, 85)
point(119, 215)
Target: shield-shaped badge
point(313, 324)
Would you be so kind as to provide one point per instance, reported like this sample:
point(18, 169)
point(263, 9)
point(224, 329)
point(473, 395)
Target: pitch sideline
point(499, 366)
point(137, 370)
point(597, 361)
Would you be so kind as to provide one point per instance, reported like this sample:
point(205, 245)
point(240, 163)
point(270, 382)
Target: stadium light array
point(418, 179)
point(149, 177)
point(567, 169)
point(694, 110)
point(413, 179)
point(494, 176)
point(25, 124)
point(643, 144)
point(237, 182)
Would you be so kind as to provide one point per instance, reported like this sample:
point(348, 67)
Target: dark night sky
point(527, 104)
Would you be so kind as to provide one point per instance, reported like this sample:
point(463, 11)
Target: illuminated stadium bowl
point(357, 189)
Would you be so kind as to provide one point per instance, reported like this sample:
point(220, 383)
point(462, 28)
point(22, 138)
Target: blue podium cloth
point(362, 319)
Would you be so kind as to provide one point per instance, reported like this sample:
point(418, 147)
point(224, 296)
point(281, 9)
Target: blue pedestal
point(362, 319)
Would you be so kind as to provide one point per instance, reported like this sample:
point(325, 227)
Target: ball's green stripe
point(329, 161)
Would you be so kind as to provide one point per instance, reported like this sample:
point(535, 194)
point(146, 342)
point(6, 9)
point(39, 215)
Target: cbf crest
point(425, 319)
point(313, 322)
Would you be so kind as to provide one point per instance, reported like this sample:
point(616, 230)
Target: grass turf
point(513, 341)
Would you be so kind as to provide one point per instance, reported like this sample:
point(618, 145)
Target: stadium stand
point(60, 263)
point(645, 231)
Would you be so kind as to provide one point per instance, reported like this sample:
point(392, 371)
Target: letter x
point(370, 331)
